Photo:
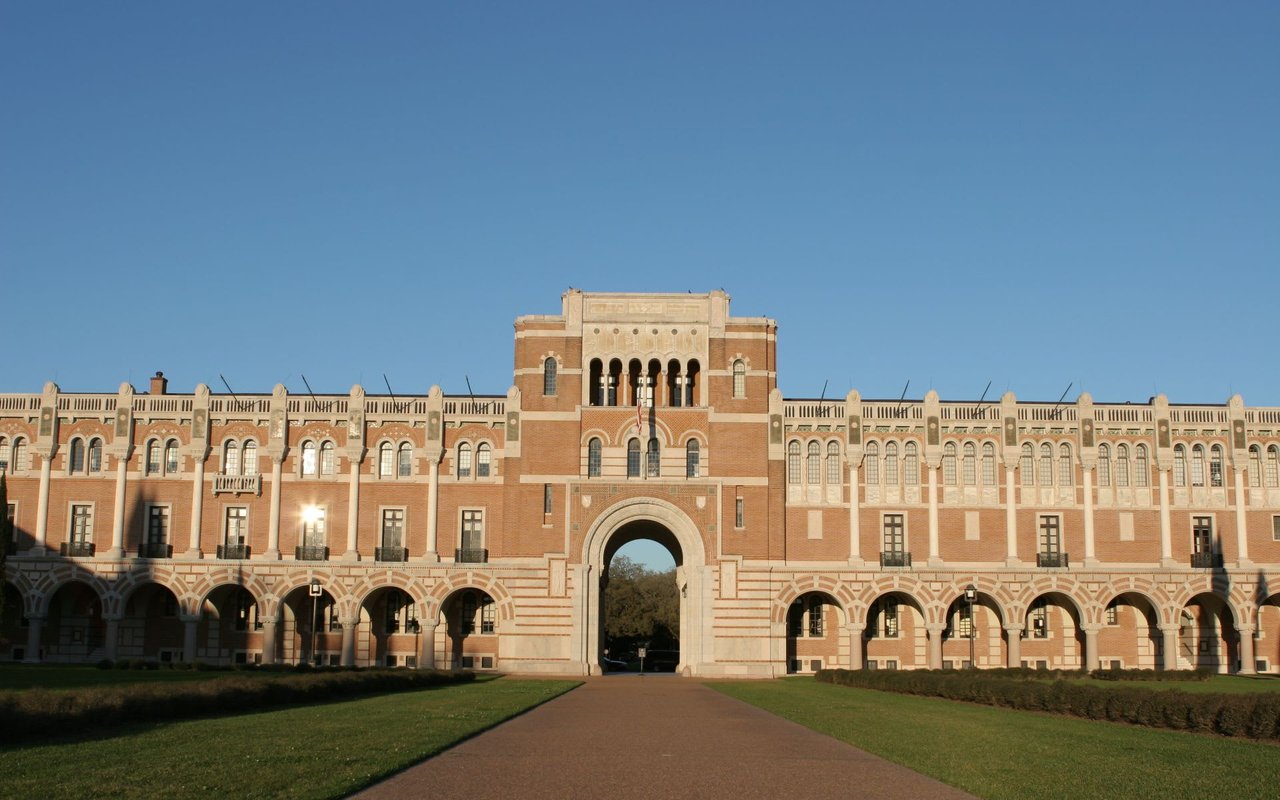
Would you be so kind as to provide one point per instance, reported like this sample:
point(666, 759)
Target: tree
point(640, 605)
point(6, 535)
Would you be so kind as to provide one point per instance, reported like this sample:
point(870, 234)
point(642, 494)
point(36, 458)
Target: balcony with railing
point(237, 484)
point(471, 556)
point(1052, 560)
point(77, 549)
point(311, 553)
point(233, 552)
point(895, 558)
point(155, 550)
point(390, 554)
point(1206, 560)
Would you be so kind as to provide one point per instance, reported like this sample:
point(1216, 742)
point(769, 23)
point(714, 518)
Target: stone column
point(197, 507)
point(427, 639)
point(1247, 664)
point(111, 641)
point(1166, 528)
point(117, 514)
point(1090, 557)
point(34, 624)
point(935, 645)
point(855, 507)
point(1010, 517)
point(854, 633)
point(1090, 661)
point(1013, 643)
point(353, 520)
point(1170, 633)
point(273, 521)
point(935, 560)
point(348, 657)
point(1242, 532)
point(189, 623)
point(433, 493)
point(42, 506)
point(269, 628)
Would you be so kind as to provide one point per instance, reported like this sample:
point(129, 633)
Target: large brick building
point(476, 531)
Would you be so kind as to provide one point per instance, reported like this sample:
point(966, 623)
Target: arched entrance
point(814, 625)
point(641, 599)
point(470, 639)
point(645, 518)
point(75, 628)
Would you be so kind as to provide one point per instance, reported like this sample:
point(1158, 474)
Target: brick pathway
point(634, 738)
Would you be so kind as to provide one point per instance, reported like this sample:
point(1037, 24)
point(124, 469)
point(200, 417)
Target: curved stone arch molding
point(1086, 606)
point(208, 583)
point(648, 509)
point(60, 575)
point(1148, 590)
point(390, 579)
point(596, 433)
point(269, 607)
point(31, 596)
point(444, 588)
point(988, 586)
point(660, 429)
point(916, 589)
point(1237, 600)
point(130, 582)
point(851, 609)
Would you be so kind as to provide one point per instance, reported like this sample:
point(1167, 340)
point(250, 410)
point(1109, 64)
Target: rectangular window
point(158, 525)
point(314, 533)
point(894, 533)
point(237, 526)
point(815, 618)
point(487, 616)
point(472, 530)
point(81, 524)
point(890, 618)
point(1050, 534)
point(1039, 622)
point(393, 527)
point(1202, 534)
point(546, 498)
point(1275, 527)
point(739, 515)
point(1113, 616)
point(964, 621)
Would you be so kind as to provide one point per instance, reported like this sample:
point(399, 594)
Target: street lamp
point(971, 594)
point(315, 597)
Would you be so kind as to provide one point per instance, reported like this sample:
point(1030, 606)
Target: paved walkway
point(635, 738)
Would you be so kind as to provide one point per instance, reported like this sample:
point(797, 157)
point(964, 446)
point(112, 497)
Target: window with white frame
point(1104, 464)
point(95, 457)
point(1038, 619)
point(1255, 466)
point(1273, 467)
point(392, 528)
point(889, 617)
point(988, 464)
point(5, 453)
point(1122, 465)
point(739, 379)
point(891, 463)
point(872, 463)
point(739, 515)
point(1179, 465)
point(1066, 471)
point(1046, 464)
point(1215, 465)
point(231, 458)
point(472, 530)
point(549, 376)
point(81, 524)
point(949, 464)
point(386, 460)
point(19, 462)
point(970, 469)
point(404, 460)
point(633, 458)
point(895, 532)
point(813, 464)
point(328, 458)
point(1202, 535)
point(692, 456)
point(249, 458)
point(484, 460)
point(1141, 467)
point(833, 464)
point(75, 461)
point(314, 529)
point(236, 526)
point(910, 464)
point(1026, 468)
point(1050, 534)
point(963, 625)
point(653, 459)
point(594, 449)
point(464, 460)
point(793, 462)
point(1197, 465)
point(170, 456)
point(1113, 614)
point(310, 460)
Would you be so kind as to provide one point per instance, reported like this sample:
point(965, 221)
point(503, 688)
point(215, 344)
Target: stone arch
point(62, 574)
point(1152, 593)
point(391, 579)
point(803, 584)
point(127, 584)
point(270, 605)
point(210, 582)
point(1084, 604)
point(451, 584)
point(989, 588)
point(908, 585)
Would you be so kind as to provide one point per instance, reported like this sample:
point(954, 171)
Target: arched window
point(1046, 464)
point(911, 464)
point(949, 464)
point(793, 462)
point(593, 458)
point(1122, 465)
point(814, 464)
point(404, 460)
point(153, 456)
point(873, 464)
point(633, 458)
point(1141, 471)
point(231, 459)
point(833, 464)
point(652, 459)
point(5, 453)
point(1179, 465)
point(328, 465)
point(891, 463)
point(386, 460)
point(484, 459)
point(170, 456)
point(691, 459)
point(549, 376)
point(464, 460)
point(1197, 465)
point(250, 458)
point(1215, 465)
point(1027, 466)
point(739, 379)
point(1066, 472)
point(309, 462)
point(76, 464)
point(20, 462)
point(1272, 475)
point(95, 455)
point(1104, 464)
point(988, 464)
point(970, 471)
point(1255, 466)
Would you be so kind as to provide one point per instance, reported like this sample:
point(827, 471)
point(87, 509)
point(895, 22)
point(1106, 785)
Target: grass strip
point(18, 677)
point(1004, 754)
point(318, 751)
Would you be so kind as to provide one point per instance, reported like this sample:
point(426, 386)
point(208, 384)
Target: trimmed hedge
point(41, 712)
point(1254, 715)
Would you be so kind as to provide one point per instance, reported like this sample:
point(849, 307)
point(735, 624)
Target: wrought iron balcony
point(237, 484)
point(1052, 560)
point(235, 552)
point(155, 550)
point(77, 549)
point(462, 556)
point(1206, 560)
point(895, 558)
point(390, 554)
point(311, 553)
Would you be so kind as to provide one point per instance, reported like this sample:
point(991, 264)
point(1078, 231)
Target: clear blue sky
point(951, 193)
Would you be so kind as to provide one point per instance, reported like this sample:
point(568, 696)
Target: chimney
point(159, 383)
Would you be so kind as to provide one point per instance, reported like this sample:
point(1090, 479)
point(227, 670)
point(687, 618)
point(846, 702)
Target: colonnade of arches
point(650, 383)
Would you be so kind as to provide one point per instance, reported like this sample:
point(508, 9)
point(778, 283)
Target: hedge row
point(1252, 715)
point(1026, 673)
point(41, 712)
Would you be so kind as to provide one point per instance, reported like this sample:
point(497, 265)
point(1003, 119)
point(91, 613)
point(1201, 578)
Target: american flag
point(639, 416)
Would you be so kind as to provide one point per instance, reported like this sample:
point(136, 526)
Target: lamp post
point(971, 594)
point(314, 588)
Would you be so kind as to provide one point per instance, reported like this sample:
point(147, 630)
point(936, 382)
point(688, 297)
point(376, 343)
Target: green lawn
point(60, 676)
point(999, 753)
point(319, 751)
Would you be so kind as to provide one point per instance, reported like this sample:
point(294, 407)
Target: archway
point(1207, 637)
point(1130, 637)
point(896, 634)
point(470, 638)
point(974, 635)
point(1052, 633)
point(814, 624)
point(389, 633)
point(660, 521)
point(75, 629)
point(641, 599)
point(230, 629)
point(151, 628)
point(311, 632)
point(13, 624)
